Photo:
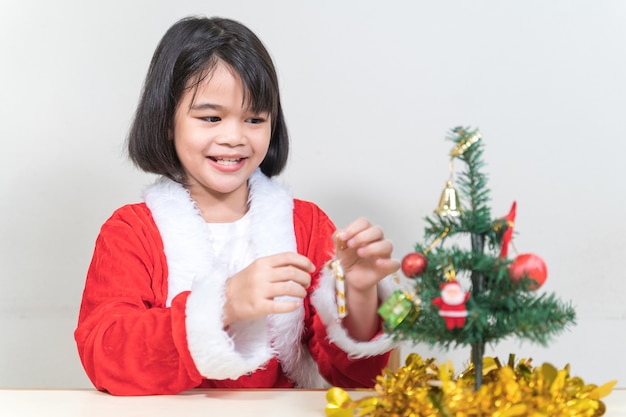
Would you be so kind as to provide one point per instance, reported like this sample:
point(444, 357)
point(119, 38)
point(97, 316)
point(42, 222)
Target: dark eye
point(255, 120)
point(212, 119)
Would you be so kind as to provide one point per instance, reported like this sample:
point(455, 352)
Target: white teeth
point(227, 161)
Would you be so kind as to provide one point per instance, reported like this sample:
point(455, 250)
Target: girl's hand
point(365, 255)
point(250, 293)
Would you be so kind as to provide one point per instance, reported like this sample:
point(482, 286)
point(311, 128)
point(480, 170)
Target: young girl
point(220, 278)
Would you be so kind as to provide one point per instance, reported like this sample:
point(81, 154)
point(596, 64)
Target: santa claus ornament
point(452, 304)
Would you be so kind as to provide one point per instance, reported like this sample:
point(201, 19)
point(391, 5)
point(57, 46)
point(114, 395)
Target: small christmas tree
point(472, 295)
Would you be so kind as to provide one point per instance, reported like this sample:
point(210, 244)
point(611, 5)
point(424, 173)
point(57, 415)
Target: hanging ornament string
point(437, 240)
point(449, 271)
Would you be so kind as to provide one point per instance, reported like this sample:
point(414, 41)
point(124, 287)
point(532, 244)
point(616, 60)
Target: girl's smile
point(227, 164)
point(220, 141)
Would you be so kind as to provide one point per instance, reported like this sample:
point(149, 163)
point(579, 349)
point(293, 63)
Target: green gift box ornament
point(400, 307)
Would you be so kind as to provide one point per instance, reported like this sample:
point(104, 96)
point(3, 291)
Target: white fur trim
point(192, 267)
point(323, 299)
point(183, 232)
point(276, 205)
point(244, 348)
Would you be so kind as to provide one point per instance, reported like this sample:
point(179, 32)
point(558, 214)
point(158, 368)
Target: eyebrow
point(213, 106)
point(204, 106)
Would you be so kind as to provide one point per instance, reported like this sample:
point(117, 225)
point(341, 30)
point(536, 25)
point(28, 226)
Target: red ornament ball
point(530, 266)
point(414, 264)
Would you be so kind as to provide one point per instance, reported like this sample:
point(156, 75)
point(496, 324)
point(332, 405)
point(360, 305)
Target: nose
point(232, 134)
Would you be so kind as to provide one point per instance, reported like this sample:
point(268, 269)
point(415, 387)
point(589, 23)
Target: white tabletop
point(205, 403)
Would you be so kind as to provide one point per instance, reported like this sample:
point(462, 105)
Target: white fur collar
point(185, 237)
point(192, 266)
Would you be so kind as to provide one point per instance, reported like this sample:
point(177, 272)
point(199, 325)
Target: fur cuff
point(220, 354)
point(324, 300)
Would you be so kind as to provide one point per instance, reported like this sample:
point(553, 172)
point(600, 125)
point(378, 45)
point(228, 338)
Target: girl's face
point(218, 140)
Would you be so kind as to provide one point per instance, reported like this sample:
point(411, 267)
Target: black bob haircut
point(186, 54)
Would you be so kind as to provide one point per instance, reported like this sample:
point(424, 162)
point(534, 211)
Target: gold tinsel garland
point(421, 388)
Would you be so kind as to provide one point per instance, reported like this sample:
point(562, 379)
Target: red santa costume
point(150, 318)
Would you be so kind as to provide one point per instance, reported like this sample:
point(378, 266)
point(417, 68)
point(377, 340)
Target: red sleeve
point(129, 342)
point(314, 231)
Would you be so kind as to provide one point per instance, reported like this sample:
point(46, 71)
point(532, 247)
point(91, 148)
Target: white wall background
point(370, 91)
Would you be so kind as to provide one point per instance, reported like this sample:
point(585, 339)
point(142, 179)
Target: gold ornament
point(343, 245)
point(449, 204)
point(340, 287)
point(465, 144)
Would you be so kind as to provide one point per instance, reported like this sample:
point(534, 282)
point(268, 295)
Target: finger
point(291, 274)
point(366, 237)
point(378, 248)
point(353, 229)
point(387, 266)
point(289, 289)
point(292, 259)
point(273, 307)
point(282, 307)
